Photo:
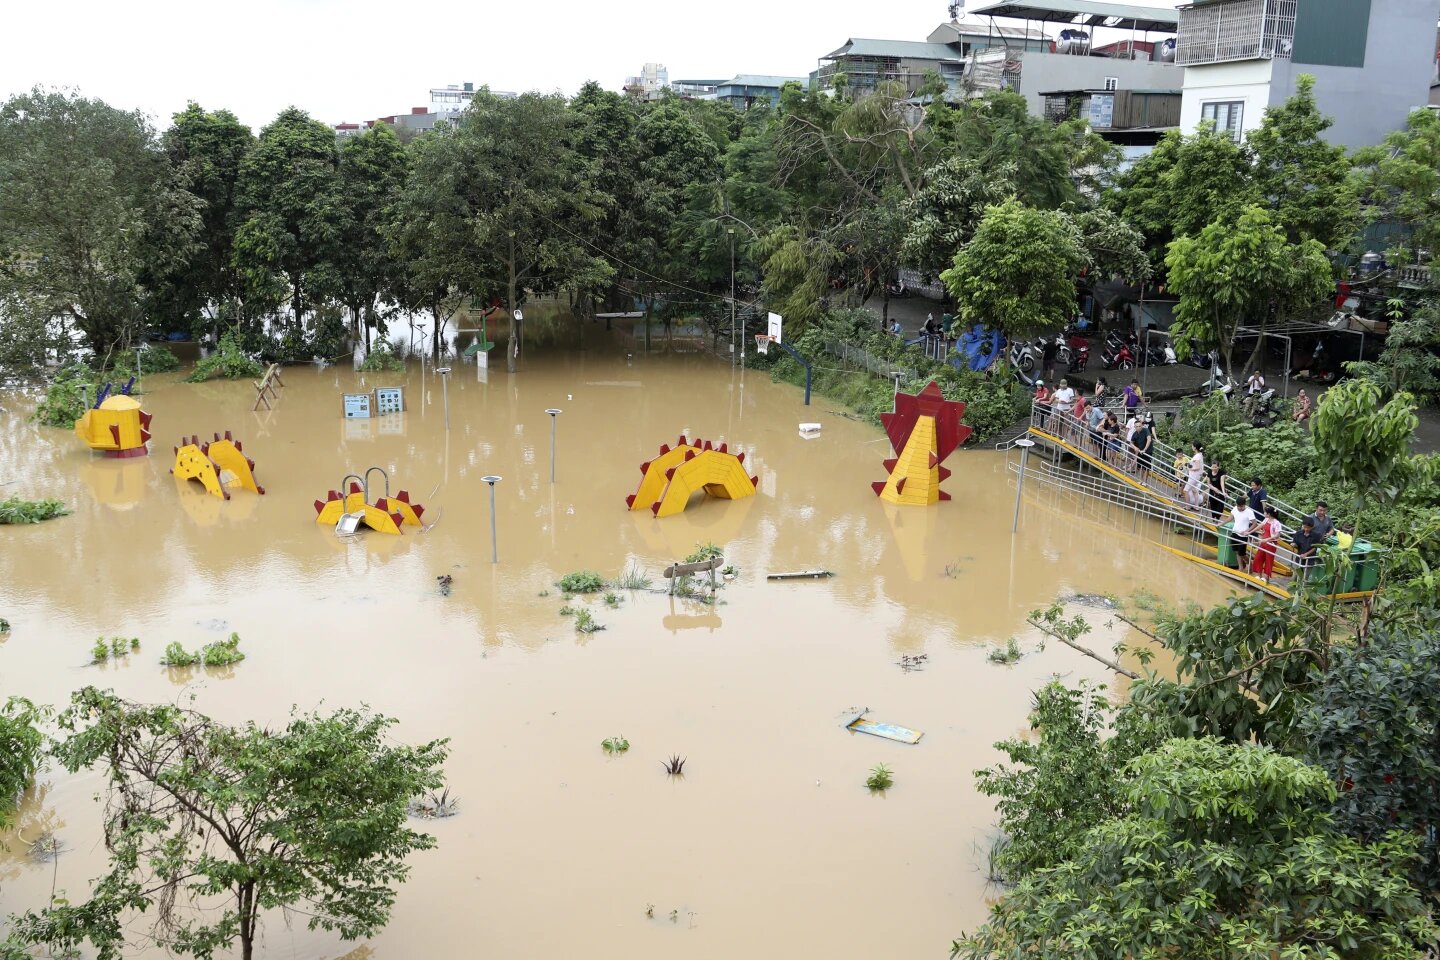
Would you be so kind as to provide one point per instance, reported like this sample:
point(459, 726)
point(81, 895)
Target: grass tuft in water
point(632, 579)
point(585, 623)
point(582, 581)
point(613, 745)
point(1010, 653)
point(880, 778)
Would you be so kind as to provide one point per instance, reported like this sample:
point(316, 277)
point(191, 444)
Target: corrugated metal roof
point(913, 49)
point(1088, 13)
point(971, 28)
point(760, 80)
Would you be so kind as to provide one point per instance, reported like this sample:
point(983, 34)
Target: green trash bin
point(1224, 548)
point(1364, 571)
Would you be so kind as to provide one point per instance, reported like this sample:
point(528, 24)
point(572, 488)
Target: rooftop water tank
point(1166, 53)
point(1074, 42)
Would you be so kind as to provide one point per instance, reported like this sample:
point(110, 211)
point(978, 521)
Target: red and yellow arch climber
point(688, 466)
point(924, 429)
point(218, 464)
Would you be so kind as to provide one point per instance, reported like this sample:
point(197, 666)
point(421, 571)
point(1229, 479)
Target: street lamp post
point(445, 390)
point(494, 543)
point(731, 232)
point(554, 413)
point(1024, 444)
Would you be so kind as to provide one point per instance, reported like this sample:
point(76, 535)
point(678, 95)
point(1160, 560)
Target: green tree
point(373, 170)
point(22, 751)
point(1018, 271)
point(86, 208)
point(294, 214)
point(1304, 179)
point(246, 819)
point(1400, 181)
point(1238, 272)
point(1182, 186)
point(944, 213)
point(1410, 360)
point(1229, 851)
point(1364, 443)
point(525, 194)
point(206, 150)
point(1065, 778)
point(1374, 724)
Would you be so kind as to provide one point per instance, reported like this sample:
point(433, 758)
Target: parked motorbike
point(1260, 408)
point(1219, 382)
point(1117, 357)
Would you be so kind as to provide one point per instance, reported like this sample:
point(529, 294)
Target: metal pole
point(445, 390)
point(733, 341)
point(1145, 374)
point(1285, 393)
point(494, 543)
point(554, 413)
point(1024, 445)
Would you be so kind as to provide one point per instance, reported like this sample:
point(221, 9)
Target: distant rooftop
point(971, 28)
point(1084, 13)
point(760, 80)
point(912, 49)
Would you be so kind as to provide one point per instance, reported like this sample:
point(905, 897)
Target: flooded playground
point(769, 845)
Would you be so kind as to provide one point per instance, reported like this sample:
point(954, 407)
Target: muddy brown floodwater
point(770, 846)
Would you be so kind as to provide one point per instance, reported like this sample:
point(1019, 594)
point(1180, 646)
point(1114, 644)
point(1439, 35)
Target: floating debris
point(445, 580)
point(435, 806)
point(910, 662)
point(889, 731)
point(800, 575)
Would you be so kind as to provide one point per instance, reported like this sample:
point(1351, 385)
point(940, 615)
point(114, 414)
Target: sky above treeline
point(355, 60)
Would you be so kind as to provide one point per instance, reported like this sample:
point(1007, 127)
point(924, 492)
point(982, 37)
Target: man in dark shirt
point(1321, 520)
point(1049, 356)
point(1257, 496)
point(1306, 542)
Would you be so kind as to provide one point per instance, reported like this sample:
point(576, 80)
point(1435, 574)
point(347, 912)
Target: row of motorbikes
point(1122, 351)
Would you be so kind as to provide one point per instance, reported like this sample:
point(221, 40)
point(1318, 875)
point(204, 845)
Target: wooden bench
point(265, 386)
point(678, 570)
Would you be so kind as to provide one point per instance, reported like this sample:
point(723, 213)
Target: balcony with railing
point(1221, 31)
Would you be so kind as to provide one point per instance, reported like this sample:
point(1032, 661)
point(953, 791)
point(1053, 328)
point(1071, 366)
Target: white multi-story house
point(1373, 62)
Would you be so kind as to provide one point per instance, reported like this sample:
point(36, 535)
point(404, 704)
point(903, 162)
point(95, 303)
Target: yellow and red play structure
point(924, 429)
point(219, 464)
point(387, 514)
point(679, 471)
point(116, 426)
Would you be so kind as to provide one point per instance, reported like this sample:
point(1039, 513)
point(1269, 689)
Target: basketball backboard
point(776, 322)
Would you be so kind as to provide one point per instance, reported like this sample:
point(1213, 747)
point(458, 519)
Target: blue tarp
point(978, 348)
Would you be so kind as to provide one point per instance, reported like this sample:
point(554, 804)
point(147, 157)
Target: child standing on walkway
point(1263, 566)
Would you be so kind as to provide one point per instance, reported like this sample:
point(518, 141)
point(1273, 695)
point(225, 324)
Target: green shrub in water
point(382, 358)
point(703, 552)
point(218, 654)
point(880, 778)
point(584, 623)
point(144, 360)
point(64, 403)
point(582, 581)
point(15, 510)
point(228, 362)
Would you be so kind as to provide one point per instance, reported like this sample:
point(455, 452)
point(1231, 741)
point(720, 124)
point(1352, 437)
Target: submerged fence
point(864, 359)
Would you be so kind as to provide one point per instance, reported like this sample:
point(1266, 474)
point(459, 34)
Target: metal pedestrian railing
point(1161, 481)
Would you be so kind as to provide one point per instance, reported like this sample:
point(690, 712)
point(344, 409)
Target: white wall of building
point(1244, 80)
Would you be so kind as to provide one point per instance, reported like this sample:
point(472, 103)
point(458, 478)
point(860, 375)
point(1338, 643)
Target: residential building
point(866, 63)
point(1129, 117)
point(972, 36)
point(695, 89)
point(650, 83)
point(446, 105)
point(745, 90)
point(1373, 62)
point(1134, 55)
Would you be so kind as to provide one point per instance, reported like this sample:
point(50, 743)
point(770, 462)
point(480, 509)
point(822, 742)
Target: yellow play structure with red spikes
point(679, 471)
point(219, 464)
point(386, 515)
point(924, 429)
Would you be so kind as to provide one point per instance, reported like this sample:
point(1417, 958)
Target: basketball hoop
point(762, 343)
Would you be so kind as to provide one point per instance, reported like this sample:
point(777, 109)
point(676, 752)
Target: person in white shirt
point(1243, 520)
point(1195, 476)
point(1064, 406)
point(1255, 384)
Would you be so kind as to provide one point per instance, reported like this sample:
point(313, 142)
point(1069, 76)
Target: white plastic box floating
point(809, 431)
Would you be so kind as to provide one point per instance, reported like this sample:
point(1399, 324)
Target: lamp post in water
point(1024, 444)
point(554, 413)
point(445, 389)
point(494, 544)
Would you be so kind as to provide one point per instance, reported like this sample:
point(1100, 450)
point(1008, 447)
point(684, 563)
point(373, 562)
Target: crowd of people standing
point(1120, 432)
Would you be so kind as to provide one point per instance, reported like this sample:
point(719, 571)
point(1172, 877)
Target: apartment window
point(1227, 114)
point(1112, 84)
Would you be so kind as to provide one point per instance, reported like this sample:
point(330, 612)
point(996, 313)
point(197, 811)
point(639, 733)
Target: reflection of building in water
point(119, 484)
